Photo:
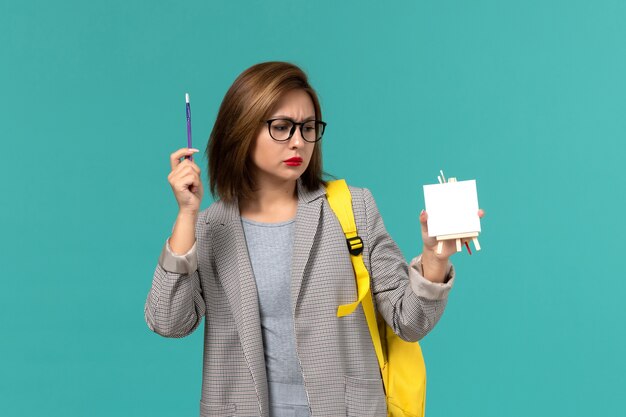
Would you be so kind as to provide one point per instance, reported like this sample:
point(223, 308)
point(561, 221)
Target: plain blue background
point(527, 97)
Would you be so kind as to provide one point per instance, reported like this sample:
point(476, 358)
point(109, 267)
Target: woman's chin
point(294, 172)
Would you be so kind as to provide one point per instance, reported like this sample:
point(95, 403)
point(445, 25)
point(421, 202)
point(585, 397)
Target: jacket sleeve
point(409, 303)
point(175, 304)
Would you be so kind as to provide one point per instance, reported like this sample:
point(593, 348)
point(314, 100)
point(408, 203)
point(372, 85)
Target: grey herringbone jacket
point(215, 280)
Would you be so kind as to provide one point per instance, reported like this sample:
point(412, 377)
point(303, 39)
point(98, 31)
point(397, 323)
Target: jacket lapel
point(237, 278)
point(307, 222)
point(235, 273)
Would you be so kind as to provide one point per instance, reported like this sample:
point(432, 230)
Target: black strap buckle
point(355, 245)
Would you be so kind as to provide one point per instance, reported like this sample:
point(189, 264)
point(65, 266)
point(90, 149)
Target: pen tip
point(187, 97)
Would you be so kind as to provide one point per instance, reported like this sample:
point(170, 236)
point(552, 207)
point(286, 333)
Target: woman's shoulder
point(217, 212)
point(363, 203)
point(360, 193)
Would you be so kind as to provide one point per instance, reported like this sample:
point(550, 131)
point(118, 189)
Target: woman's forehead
point(295, 103)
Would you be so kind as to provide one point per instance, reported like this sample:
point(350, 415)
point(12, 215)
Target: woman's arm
point(175, 305)
point(411, 304)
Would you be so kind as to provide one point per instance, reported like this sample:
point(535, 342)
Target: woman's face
point(269, 156)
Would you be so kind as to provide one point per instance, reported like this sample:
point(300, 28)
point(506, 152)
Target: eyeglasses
point(282, 130)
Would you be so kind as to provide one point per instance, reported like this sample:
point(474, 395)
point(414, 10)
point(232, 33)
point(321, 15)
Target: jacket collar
point(231, 209)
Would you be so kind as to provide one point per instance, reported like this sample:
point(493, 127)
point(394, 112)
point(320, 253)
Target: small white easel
point(459, 190)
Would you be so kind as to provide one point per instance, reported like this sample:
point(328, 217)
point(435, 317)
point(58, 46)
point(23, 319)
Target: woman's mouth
point(293, 162)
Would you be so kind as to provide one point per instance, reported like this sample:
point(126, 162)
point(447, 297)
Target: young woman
point(267, 264)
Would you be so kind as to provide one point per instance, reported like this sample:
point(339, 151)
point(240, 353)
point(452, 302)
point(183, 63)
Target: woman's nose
point(296, 140)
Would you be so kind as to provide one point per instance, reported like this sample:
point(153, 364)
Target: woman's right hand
point(186, 181)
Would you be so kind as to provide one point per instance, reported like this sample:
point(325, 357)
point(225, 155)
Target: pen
point(188, 111)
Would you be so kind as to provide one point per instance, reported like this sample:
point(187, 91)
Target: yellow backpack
point(401, 363)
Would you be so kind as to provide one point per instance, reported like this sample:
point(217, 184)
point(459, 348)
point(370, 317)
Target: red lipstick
point(293, 162)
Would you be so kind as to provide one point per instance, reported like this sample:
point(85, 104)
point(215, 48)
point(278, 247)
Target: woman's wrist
point(184, 233)
point(434, 268)
point(187, 214)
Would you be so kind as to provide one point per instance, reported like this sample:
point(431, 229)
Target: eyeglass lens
point(283, 129)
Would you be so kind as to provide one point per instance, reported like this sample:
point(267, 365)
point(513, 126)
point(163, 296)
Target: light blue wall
point(526, 97)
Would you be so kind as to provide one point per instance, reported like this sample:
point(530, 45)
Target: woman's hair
point(248, 102)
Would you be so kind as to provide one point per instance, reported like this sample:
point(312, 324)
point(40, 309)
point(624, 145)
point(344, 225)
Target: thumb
point(424, 222)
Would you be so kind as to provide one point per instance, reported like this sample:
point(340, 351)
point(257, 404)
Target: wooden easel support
point(459, 240)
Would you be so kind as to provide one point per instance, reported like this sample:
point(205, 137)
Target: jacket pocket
point(217, 410)
point(365, 397)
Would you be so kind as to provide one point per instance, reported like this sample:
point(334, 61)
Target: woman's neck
point(271, 202)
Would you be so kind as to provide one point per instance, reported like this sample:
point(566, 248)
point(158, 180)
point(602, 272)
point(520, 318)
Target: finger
point(175, 157)
point(185, 182)
point(186, 167)
point(180, 171)
point(423, 216)
point(196, 168)
point(186, 158)
point(186, 162)
point(424, 222)
point(481, 213)
point(190, 178)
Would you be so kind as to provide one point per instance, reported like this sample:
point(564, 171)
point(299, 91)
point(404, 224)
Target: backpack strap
point(340, 201)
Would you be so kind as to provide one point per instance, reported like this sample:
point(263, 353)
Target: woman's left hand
point(433, 262)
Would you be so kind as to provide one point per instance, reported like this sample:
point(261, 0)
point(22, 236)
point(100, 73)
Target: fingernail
point(194, 149)
point(422, 212)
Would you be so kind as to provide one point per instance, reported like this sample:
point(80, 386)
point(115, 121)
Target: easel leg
point(476, 244)
point(439, 247)
point(458, 245)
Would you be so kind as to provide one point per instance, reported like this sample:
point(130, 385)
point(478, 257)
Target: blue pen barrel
point(188, 111)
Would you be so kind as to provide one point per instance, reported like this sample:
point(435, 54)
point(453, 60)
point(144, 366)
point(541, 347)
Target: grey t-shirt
point(270, 246)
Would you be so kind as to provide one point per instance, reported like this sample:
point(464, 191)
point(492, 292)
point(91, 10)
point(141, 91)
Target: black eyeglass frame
point(293, 129)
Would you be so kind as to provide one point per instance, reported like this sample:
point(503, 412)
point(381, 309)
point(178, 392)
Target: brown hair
point(248, 101)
